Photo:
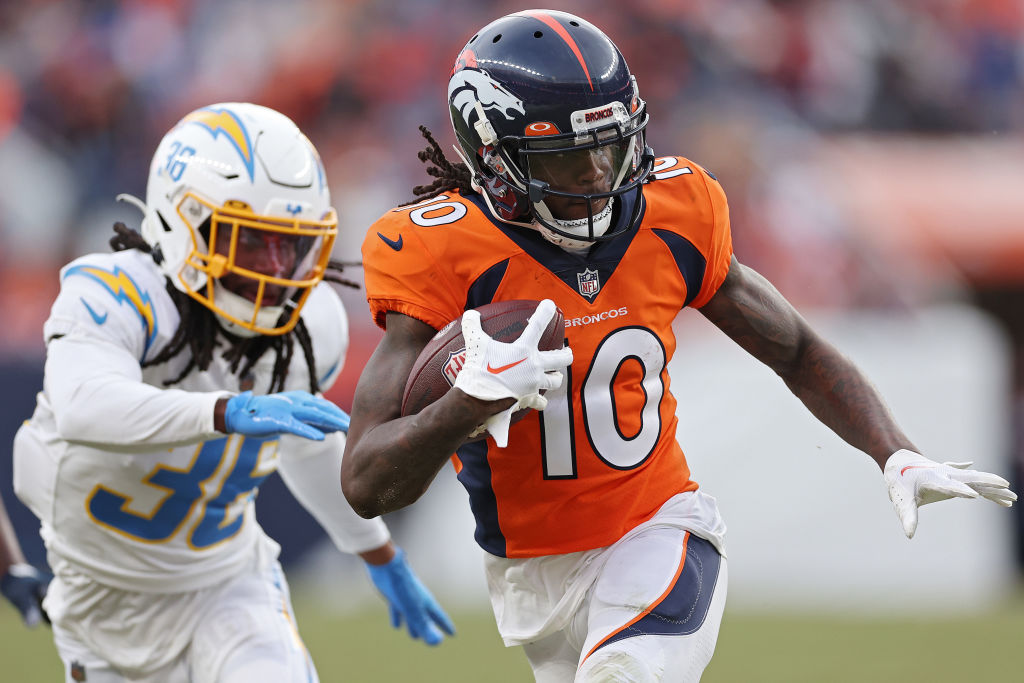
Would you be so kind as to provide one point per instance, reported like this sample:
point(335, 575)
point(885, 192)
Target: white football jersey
point(131, 482)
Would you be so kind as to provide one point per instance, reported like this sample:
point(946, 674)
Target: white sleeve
point(314, 478)
point(97, 394)
point(101, 325)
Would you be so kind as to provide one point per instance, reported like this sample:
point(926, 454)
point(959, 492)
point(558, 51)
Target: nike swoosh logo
point(503, 368)
point(99, 319)
point(910, 467)
point(394, 244)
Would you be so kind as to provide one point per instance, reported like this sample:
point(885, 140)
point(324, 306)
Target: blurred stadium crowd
point(742, 86)
point(762, 92)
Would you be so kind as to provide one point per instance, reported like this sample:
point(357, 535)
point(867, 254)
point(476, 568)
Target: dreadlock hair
point(198, 328)
point(449, 176)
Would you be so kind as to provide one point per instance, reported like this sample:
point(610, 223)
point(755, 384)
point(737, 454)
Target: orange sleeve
point(405, 280)
point(719, 250)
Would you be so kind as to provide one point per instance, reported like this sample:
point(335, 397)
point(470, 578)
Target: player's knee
point(621, 666)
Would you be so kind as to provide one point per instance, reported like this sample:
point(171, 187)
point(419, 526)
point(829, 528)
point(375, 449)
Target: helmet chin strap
point(580, 226)
point(241, 308)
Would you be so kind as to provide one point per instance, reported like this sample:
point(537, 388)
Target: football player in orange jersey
point(604, 559)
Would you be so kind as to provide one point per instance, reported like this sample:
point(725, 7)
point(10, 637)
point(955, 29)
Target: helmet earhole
point(163, 222)
point(538, 34)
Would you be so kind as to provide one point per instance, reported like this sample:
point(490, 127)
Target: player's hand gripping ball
point(434, 372)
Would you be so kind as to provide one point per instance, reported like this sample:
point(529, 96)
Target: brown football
point(433, 374)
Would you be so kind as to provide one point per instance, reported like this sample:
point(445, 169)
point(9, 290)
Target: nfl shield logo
point(589, 282)
point(452, 366)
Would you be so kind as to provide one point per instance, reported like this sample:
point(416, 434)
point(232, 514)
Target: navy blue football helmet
point(550, 121)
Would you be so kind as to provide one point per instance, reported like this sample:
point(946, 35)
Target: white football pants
point(652, 615)
point(241, 632)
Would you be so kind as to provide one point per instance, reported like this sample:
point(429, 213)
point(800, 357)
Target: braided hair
point(448, 176)
point(198, 329)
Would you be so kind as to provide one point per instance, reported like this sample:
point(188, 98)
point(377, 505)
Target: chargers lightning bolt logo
point(224, 121)
point(123, 289)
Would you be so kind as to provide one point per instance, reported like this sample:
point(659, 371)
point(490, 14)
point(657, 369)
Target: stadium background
point(871, 151)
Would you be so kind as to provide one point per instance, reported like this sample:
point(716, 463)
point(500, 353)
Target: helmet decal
point(541, 128)
point(225, 121)
point(470, 86)
point(586, 120)
point(546, 18)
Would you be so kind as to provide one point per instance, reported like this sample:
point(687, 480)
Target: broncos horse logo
point(469, 86)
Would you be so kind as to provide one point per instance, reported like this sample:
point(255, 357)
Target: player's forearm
point(841, 397)
point(10, 549)
point(125, 413)
point(758, 318)
point(390, 465)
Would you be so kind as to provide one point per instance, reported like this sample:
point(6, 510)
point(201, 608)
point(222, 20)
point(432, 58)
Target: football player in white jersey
point(181, 371)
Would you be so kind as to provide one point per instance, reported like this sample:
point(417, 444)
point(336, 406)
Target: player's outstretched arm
point(758, 318)
point(390, 460)
point(23, 585)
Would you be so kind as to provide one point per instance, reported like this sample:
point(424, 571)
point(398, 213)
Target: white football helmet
point(239, 215)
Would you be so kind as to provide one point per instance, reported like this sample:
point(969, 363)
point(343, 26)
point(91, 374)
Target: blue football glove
point(409, 599)
point(25, 587)
point(295, 412)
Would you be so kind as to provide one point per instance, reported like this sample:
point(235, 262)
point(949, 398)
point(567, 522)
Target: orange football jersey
point(603, 456)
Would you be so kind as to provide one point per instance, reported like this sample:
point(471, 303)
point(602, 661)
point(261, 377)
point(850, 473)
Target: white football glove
point(914, 480)
point(497, 425)
point(494, 370)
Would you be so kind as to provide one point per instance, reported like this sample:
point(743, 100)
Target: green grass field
point(362, 648)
